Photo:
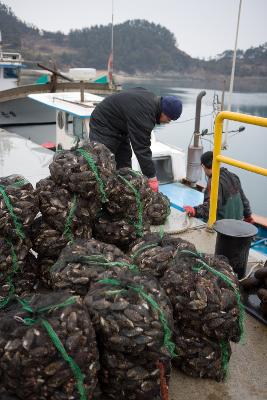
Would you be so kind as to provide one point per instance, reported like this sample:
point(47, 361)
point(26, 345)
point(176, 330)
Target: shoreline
point(211, 82)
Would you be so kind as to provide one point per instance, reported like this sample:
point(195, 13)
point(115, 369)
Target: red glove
point(154, 184)
point(249, 219)
point(190, 211)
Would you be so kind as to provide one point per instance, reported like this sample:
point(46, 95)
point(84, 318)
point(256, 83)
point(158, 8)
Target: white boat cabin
point(10, 67)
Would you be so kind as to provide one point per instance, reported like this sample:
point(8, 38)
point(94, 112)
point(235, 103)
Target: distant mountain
point(140, 47)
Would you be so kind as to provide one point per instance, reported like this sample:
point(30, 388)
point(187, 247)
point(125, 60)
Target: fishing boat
point(17, 109)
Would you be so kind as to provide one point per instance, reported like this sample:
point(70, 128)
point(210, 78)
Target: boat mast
point(1, 49)
point(112, 17)
point(225, 144)
point(110, 59)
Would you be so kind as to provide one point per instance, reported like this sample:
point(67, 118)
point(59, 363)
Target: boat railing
point(218, 158)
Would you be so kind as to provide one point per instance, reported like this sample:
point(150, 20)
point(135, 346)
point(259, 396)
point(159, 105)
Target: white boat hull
point(25, 111)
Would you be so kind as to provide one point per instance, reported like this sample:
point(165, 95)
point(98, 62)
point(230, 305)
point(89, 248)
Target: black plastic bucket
point(233, 241)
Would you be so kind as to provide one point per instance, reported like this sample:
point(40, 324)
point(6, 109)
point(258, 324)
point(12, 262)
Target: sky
point(202, 28)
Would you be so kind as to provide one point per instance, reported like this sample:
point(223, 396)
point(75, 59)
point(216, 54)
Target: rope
point(94, 169)
point(227, 280)
point(9, 280)
point(163, 382)
point(69, 221)
point(138, 289)
point(17, 223)
point(78, 375)
point(139, 224)
point(186, 226)
point(252, 269)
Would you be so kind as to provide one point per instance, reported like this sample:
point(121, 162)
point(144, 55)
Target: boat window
point(10, 73)
point(78, 127)
point(163, 166)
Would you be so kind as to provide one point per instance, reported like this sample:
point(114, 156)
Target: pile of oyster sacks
point(92, 304)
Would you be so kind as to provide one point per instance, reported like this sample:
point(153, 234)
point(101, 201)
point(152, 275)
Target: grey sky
point(202, 28)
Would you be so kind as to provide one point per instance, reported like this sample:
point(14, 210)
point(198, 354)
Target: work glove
point(154, 184)
point(190, 211)
point(249, 219)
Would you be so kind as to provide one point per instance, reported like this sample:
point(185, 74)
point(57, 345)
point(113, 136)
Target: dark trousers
point(120, 147)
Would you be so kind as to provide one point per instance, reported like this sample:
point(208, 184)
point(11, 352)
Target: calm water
point(249, 145)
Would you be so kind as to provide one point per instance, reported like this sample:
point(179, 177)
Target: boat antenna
point(1, 49)
point(225, 141)
point(110, 60)
point(112, 25)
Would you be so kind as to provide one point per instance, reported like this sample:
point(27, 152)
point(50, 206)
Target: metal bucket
point(233, 241)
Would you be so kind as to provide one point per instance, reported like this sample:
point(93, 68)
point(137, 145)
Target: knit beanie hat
point(171, 106)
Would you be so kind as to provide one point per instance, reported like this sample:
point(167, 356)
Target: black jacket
point(128, 115)
point(232, 202)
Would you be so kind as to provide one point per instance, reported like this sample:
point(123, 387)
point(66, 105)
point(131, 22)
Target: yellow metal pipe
point(218, 158)
point(215, 169)
point(245, 118)
point(243, 165)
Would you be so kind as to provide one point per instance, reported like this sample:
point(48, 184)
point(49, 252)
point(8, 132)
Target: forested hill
point(140, 47)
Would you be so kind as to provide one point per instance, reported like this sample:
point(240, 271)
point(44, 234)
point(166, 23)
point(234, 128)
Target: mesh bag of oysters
point(18, 208)
point(157, 209)
point(118, 230)
point(65, 216)
point(131, 208)
point(71, 198)
point(132, 317)
point(256, 283)
point(153, 253)
point(84, 170)
point(48, 349)
point(85, 261)
point(206, 300)
point(200, 356)
point(67, 213)
point(48, 243)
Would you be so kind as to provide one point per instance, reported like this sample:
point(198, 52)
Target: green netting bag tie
point(161, 232)
point(102, 261)
point(224, 357)
point(96, 260)
point(142, 248)
point(69, 221)
point(19, 183)
point(136, 173)
point(227, 280)
point(94, 168)
point(139, 289)
point(139, 224)
point(9, 280)
point(17, 223)
point(78, 375)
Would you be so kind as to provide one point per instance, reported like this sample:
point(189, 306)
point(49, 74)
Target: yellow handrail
point(218, 158)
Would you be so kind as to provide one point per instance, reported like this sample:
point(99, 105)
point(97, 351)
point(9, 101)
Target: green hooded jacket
point(232, 202)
